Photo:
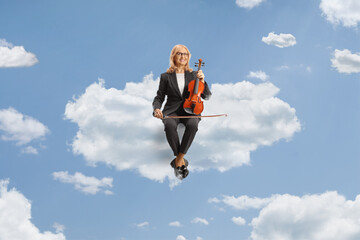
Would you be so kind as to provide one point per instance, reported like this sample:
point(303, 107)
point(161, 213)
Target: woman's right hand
point(158, 113)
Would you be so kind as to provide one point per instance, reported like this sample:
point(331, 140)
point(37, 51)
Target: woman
point(174, 84)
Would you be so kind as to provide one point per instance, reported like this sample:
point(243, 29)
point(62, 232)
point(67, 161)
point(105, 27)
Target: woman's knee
point(169, 125)
point(192, 124)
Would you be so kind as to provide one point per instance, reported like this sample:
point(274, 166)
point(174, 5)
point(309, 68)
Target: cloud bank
point(345, 12)
point(319, 216)
point(21, 129)
point(281, 40)
point(346, 62)
point(88, 185)
point(249, 4)
point(116, 127)
point(15, 56)
point(15, 217)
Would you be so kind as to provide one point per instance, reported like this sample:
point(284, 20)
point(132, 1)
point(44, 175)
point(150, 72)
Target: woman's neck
point(180, 69)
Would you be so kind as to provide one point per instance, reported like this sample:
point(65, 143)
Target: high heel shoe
point(182, 171)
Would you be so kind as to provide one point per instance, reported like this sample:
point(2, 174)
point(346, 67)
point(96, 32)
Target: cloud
point(142, 225)
point(15, 56)
point(175, 224)
point(116, 127)
point(317, 217)
point(345, 12)
point(180, 237)
point(15, 217)
point(199, 238)
point(243, 202)
point(200, 220)
point(281, 41)
point(59, 227)
point(249, 4)
point(258, 74)
point(238, 221)
point(30, 150)
point(88, 185)
point(346, 62)
point(21, 129)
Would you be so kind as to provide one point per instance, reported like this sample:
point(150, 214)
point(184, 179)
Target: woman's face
point(181, 57)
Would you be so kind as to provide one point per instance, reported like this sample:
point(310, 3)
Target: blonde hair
point(173, 67)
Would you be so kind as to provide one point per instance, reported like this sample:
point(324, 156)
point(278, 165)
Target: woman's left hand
point(200, 75)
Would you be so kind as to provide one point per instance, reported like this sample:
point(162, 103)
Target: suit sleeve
point(160, 95)
point(206, 93)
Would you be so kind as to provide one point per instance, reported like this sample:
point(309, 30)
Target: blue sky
point(82, 158)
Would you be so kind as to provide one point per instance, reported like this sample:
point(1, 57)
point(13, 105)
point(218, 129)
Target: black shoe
point(180, 172)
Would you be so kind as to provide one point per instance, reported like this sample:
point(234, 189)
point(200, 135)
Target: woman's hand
point(158, 113)
point(200, 75)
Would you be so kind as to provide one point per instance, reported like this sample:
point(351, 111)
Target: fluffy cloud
point(200, 220)
point(175, 224)
point(116, 127)
point(88, 185)
point(346, 62)
point(346, 12)
point(249, 4)
point(15, 56)
point(258, 74)
point(282, 40)
point(21, 129)
point(319, 216)
point(15, 216)
point(238, 221)
point(180, 237)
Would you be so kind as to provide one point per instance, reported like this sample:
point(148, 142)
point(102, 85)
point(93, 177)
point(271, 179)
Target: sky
point(82, 158)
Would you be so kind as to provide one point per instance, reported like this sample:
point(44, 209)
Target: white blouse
point(181, 81)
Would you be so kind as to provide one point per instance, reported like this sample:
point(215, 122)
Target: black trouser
point(172, 136)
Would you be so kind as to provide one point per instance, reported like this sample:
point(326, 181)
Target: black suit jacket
point(169, 87)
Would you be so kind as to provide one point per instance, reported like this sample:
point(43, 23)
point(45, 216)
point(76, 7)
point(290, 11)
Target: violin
point(193, 104)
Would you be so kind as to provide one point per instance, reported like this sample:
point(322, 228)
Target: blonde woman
point(174, 84)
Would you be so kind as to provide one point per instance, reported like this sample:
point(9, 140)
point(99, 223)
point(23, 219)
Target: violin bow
point(205, 116)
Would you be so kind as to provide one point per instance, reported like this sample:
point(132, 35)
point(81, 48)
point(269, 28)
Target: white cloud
point(17, 56)
point(180, 237)
point(249, 4)
point(346, 62)
point(15, 217)
point(258, 74)
point(59, 227)
point(21, 129)
point(282, 40)
point(346, 12)
point(317, 217)
point(200, 220)
point(143, 225)
point(88, 185)
point(238, 221)
point(199, 238)
point(175, 224)
point(243, 202)
point(30, 150)
point(283, 67)
point(116, 127)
